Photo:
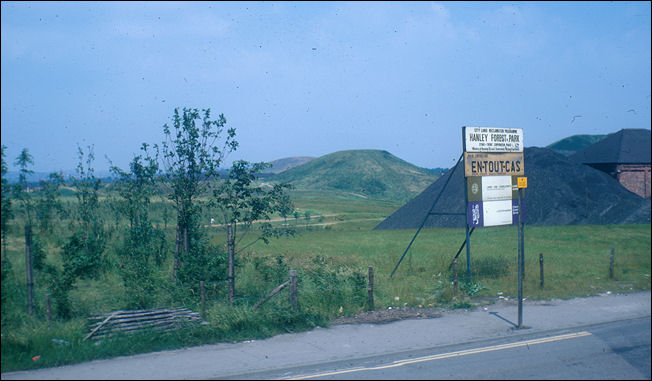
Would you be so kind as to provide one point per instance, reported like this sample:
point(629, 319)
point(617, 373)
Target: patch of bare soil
point(387, 315)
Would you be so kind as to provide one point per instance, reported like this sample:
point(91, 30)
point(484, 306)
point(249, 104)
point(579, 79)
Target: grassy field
point(331, 252)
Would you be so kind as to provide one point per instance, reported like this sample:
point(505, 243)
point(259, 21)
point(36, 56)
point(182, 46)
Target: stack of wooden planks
point(130, 321)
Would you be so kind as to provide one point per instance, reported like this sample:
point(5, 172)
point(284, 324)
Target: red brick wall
point(635, 177)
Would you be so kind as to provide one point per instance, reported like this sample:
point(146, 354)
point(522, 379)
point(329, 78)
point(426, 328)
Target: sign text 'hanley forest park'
point(493, 162)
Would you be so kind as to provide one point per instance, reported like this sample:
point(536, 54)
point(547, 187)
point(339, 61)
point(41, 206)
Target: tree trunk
point(177, 253)
point(186, 243)
point(28, 264)
point(231, 274)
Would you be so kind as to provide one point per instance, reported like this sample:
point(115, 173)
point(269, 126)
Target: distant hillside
point(286, 163)
point(437, 171)
point(572, 144)
point(366, 173)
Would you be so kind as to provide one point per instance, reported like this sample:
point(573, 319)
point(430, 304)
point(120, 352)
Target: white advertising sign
point(497, 212)
point(496, 188)
point(489, 139)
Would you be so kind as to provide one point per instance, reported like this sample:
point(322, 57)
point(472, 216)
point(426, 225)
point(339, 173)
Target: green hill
point(286, 163)
point(365, 173)
point(572, 144)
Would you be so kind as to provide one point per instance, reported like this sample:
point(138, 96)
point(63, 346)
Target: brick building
point(625, 155)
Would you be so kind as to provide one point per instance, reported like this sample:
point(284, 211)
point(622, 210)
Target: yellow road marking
point(448, 355)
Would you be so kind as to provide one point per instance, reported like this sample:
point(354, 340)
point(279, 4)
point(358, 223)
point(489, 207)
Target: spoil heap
point(560, 192)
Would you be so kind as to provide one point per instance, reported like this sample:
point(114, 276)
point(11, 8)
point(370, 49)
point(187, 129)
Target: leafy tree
point(6, 214)
point(83, 253)
point(141, 240)
point(191, 155)
point(48, 205)
point(285, 207)
point(242, 202)
point(21, 193)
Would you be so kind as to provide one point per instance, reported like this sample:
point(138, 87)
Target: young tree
point(242, 202)
point(48, 204)
point(142, 240)
point(21, 193)
point(83, 254)
point(306, 216)
point(191, 155)
point(6, 213)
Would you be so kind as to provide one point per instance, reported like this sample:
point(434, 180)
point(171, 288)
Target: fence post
point(293, 290)
point(370, 288)
point(611, 264)
point(230, 275)
point(47, 307)
point(541, 270)
point(29, 265)
point(455, 276)
point(203, 300)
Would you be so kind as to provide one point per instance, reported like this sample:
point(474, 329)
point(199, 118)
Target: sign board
point(491, 188)
point(522, 182)
point(490, 139)
point(493, 164)
point(494, 170)
point(492, 213)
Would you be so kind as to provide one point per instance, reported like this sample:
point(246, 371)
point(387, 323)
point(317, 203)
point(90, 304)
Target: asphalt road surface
point(617, 350)
point(603, 337)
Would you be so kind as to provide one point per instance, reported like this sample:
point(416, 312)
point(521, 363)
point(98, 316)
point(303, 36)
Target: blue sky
point(308, 79)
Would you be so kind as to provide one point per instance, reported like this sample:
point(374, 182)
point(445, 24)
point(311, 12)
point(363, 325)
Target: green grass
point(332, 254)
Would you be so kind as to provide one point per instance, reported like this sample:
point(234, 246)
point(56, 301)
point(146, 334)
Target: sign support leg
point(520, 259)
point(468, 254)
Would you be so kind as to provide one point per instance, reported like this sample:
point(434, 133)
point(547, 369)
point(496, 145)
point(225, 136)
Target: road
point(610, 338)
point(616, 350)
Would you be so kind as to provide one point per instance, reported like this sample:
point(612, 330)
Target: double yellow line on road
point(447, 355)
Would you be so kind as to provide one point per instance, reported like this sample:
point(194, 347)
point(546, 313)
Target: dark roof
point(627, 146)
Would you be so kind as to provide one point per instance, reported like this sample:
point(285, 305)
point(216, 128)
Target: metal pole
point(468, 254)
point(520, 259)
point(466, 226)
point(427, 215)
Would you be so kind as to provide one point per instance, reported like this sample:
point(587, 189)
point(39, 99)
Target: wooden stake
point(272, 293)
point(203, 300)
point(231, 275)
point(611, 264)
point(29, 265)
point(47, 306)
point(370, 288)
point(293, 290)
point(541, 270)
point(455, 275)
